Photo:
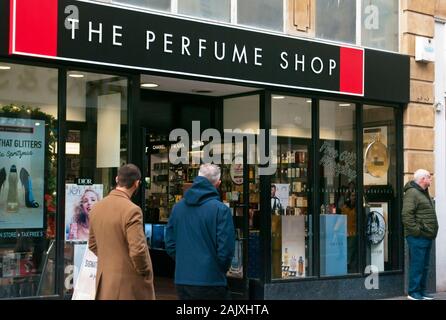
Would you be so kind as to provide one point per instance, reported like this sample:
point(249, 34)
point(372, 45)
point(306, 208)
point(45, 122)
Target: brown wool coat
point(117, 237)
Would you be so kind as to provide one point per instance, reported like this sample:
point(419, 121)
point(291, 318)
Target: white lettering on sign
point(116, 35)
point(91, 31)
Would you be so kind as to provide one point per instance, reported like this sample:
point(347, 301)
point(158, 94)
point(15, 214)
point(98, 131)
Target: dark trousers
point(203, 293)
point(419, 255)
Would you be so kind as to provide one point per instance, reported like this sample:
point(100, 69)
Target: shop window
point(163, 5)
point(265, 14)
point(291, 216)
point(242, 113)
point(336, 20)
point(28, 185)
point(97, 136)
point(338, 215)
point(380, 192)
point(379, 24)
point(219, 10)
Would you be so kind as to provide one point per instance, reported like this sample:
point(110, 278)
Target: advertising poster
point(375, 164)
point(22, 165)
point(79, 201)
point(333, 244)
point(279, 197)
point(378, 250)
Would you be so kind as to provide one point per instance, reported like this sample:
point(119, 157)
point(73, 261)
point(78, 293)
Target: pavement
point(437, 295)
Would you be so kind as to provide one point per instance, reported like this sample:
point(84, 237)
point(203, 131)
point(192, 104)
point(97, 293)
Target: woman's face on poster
point(88, 200)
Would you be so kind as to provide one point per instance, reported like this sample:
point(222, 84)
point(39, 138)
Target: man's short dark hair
point(127, 175)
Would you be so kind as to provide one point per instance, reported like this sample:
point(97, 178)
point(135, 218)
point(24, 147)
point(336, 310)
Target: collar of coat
point(119, 193)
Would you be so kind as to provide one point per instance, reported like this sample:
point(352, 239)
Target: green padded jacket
point(418, 214)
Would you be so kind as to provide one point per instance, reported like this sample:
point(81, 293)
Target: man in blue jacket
point(200, 237)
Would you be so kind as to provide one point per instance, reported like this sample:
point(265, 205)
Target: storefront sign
point(22, 161)
point(105, 34)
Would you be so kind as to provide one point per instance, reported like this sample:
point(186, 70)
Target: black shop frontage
point(316, 128)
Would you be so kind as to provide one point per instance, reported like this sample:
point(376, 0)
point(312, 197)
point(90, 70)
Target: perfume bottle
point(286, 258)
point(12, 202)
point(300, 270)
point(293, 263)
point(322, 209)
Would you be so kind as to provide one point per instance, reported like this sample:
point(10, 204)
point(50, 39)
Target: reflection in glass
point(338, 189)
point(28, 180)
point(243, 113)
point(97, 126)
point(291, 219)
point(380, 192)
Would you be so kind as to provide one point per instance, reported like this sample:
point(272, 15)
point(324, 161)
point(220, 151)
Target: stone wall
point(417, 19)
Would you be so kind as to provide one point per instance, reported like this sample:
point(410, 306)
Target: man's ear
point(116, 179)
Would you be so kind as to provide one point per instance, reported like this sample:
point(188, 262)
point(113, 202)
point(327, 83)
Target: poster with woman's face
point(79, 200)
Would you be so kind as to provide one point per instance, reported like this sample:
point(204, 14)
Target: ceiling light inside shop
point(5, 68)
point(344, 104)
point(149, 85)
point(278, 97)
point(76, 75)
point(309, 101)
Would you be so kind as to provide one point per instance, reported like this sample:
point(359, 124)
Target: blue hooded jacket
point(200, 236)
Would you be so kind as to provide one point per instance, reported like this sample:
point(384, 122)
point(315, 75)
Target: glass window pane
point(219, 10)
point(380, 193)
point(380, 24)
point(28, 180)
point(96, 148)
point(163, 5)
point(336, 20)
point(338, 188)
point(291, 220)
point(243, 113)
point(266, 14)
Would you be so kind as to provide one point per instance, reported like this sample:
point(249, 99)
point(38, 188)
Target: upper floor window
point(219, 10)
point(379, 24)
point(164, 5)
point(336, 20)
point(369, 23)
point(265, 14)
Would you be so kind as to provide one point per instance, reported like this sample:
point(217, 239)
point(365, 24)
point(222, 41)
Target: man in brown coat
point(118, 240)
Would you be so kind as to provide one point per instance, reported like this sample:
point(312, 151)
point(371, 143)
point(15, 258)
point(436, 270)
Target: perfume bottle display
point(12, 201)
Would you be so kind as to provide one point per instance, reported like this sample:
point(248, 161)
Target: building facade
point(340, 104)
point(439, 39)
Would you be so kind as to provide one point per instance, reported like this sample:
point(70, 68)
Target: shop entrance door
point(235, 190)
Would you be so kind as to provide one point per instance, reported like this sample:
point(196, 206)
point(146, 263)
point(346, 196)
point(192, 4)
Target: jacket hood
point(413, 184)
point(200, 192)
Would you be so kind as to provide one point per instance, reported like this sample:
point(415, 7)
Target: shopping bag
point(85, 287)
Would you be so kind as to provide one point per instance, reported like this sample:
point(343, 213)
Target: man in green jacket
point(420, 228)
